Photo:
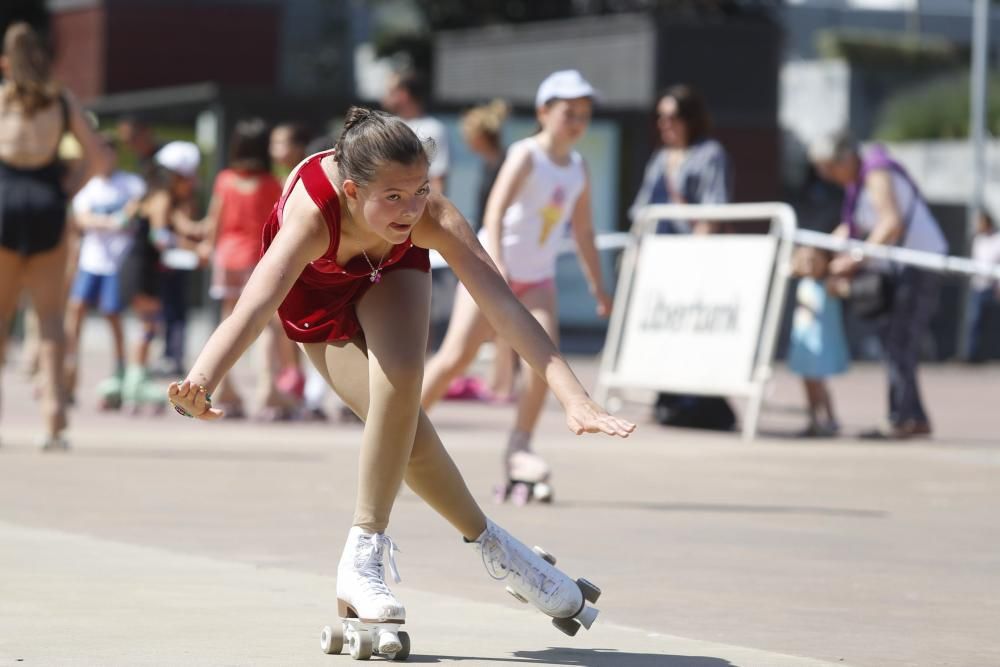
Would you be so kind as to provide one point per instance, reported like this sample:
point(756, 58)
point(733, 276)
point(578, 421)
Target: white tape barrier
point(925, 260)
point(612, 241)
point(920, 258)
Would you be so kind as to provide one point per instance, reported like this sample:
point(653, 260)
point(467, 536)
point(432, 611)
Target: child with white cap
point(541, 194)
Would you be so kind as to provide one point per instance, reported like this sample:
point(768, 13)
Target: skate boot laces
point(371, 567)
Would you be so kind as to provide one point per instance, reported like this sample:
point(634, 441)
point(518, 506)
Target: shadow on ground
point(722, 509)
point(584, 658)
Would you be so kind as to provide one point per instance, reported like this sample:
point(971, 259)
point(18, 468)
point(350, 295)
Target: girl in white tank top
point(541, 195)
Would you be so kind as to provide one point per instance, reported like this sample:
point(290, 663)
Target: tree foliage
point(938, 110)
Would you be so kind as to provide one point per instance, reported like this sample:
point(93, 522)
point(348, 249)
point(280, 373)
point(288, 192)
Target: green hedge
point(937, 110)
point(878, 49)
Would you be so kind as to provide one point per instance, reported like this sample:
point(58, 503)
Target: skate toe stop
point(587, 616)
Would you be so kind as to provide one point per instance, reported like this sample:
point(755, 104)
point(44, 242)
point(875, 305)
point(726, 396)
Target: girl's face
point(182, 187)
point(810, 262)
point(283, 151)
point(394, 200)
point(478, 143)
point(673, 129)
point(566, 120)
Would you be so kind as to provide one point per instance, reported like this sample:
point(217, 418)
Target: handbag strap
point(873, 159)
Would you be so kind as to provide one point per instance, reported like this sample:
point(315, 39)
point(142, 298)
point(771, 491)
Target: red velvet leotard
point(320, 305)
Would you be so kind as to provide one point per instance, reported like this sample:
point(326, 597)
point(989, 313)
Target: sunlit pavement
point(160, 540)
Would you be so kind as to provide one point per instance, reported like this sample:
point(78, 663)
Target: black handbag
point(871, 294)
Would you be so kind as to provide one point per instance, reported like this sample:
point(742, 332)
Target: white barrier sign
point(695, 312)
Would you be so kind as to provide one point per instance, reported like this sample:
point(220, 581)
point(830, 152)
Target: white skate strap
point(382, 540)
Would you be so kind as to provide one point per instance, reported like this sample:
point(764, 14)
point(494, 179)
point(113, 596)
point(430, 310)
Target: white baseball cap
point(180, 157)
point(566, 84)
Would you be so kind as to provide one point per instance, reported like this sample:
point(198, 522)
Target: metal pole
point(977, 133)
point(977, 120)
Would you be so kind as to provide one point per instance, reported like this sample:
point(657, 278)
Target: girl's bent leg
point(541, 303)
point(394, 317)
point(430, 472)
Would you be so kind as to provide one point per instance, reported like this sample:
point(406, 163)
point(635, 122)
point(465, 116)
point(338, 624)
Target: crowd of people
point(132, 237)
point(318, 250)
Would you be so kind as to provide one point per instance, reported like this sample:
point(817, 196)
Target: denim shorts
point(97, 290)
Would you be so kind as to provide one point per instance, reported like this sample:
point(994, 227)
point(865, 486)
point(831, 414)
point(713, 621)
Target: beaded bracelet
point(184, 413)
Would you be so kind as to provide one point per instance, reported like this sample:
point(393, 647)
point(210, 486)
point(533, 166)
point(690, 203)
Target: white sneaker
point(361, 589)
point(528, 576)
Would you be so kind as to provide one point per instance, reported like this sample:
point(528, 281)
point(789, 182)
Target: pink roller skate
point(526, 473)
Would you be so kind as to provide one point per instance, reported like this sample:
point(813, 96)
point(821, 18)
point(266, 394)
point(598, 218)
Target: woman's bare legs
point(468, 329)
point(35, 274)
point(10, 288)
point(379, 379)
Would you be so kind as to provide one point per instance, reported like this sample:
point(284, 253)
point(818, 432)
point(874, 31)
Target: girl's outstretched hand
point(586, 416)
point(192, 400)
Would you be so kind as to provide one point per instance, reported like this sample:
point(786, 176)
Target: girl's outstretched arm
point(590, 261)
point(444, 229)
point(302, 238)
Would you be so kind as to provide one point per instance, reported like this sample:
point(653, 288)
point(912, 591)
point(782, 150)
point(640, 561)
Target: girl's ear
point(350, 189)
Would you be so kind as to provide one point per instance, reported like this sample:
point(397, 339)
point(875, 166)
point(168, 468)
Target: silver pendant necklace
point(376, 274)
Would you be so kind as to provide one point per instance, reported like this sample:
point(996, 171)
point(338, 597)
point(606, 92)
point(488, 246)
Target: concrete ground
point(162, 541)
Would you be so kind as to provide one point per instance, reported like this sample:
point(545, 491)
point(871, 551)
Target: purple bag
point(876, 157)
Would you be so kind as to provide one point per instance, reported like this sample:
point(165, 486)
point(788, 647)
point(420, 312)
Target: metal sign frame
point(783, 228)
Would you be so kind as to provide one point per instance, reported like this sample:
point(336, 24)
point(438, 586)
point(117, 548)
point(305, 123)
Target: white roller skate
point(370, 614)
point(526, 473)
point(531, 577)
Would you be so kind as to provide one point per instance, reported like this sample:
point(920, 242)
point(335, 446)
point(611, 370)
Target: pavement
point(163, 541)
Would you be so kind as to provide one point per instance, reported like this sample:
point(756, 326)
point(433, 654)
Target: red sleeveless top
point(320, 305)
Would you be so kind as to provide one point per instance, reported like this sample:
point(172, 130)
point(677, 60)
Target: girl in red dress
point(346, 266)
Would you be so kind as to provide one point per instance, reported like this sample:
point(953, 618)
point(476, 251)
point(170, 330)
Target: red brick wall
point(78, 36)
point(152, 45)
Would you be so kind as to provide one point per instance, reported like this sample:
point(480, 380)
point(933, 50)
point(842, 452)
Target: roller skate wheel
point(567, 625)
point(500, 493)
point(590, 592)
point(360, 643)
point(520, 493)
point(517, 596)
point(331, 640)
point(542, 492)
point(587, 616)
point(404, 652)
point(388, 643)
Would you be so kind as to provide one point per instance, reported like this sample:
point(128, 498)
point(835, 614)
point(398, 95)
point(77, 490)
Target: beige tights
point(380, 378)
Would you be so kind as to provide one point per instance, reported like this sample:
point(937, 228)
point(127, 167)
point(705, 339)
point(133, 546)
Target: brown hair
point(487, 120)
point(28, 63)
point(248, 146)
point(691, 109)
point(298, 134)
point(372, 138)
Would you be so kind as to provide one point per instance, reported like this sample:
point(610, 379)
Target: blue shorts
point(100, 291)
